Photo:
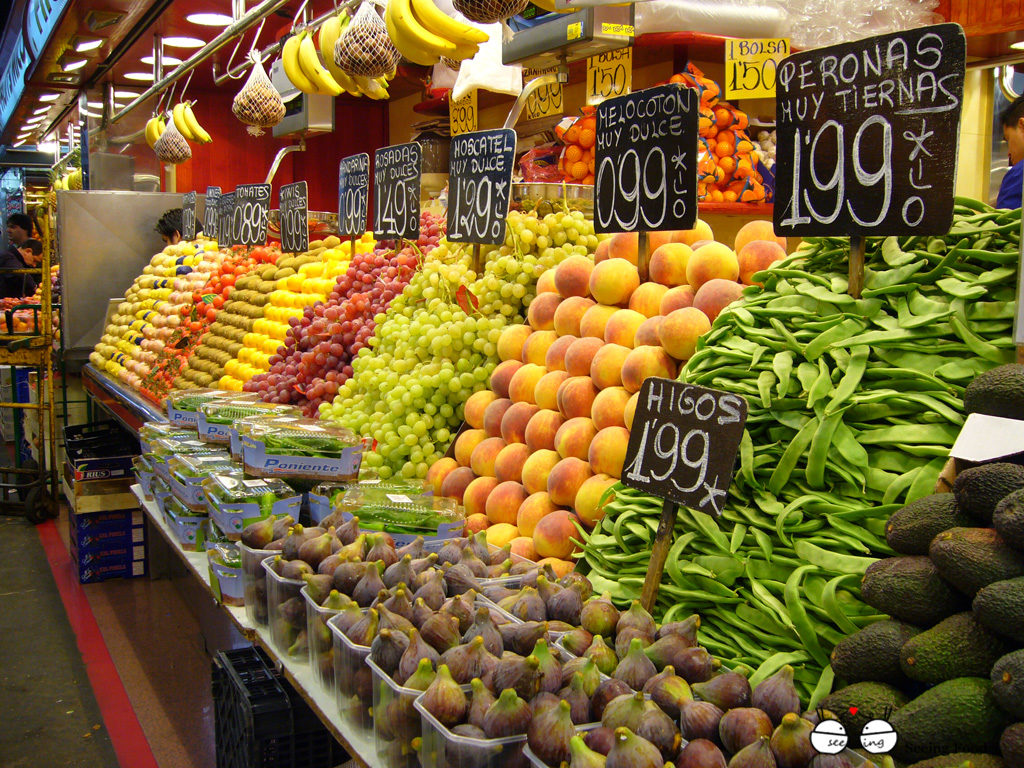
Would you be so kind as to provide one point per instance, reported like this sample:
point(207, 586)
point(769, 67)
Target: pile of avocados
point(947, 668)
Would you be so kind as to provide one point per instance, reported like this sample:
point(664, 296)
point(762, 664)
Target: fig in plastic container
point(659, 729)
point(700, 753)
point(743, 726)
point(603, 655)
point(521, 637)
point(776, 695)
point(550, 732)
point(598, 616)
point(625, 711)
point(550, 668)
point(576, 697)
point(444, 699)
point(635, 669)
point(607, 691)
point(699, 720)
point(668, 691)
point(726, 691)
point(508, 716)
point(483, 626)
point(631, 751)
point(470, 660)
point(480, 701)
point(521, 674)
point(791, 742)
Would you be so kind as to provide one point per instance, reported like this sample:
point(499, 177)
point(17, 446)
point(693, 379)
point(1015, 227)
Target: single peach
point(621, 327)
point(533, 508)
point(509, 464)
point(668, 264)
point(601, 252)
point(647, 299)
point(576, 396)
point(715, 295)
point(475, 497)
point(540, 432)
point(677, 298)
point(561, 568)
point(630, 410)
point(570, 314)
point(541, 313)
point(522, 546)
point(500, 534)
point(513, 423)
point(595, 320)
point(536, 470)
point(580, 355)
point(588, 504)
point(681, 330)
point(644, 362)
point(535, 348)
point(502, 376)
point(546, 282)
point(648, 332)
point(572, 276)
point(545, 394)
point(758, 255)
point(606, 367)
point(484, 455)
point(624, 245)
point(466, 442)
point(609, 408)
point(476, 404)
point(455, 484)
point(701, 231)
point(439, 471)
point(608, 451)
point(574, 437)
point(510, 343)
point(503, 502)
point(657, 239)
point(759, 229)
point(555, 534)
point(565, 480)
point(711, 261)
point(492, 417)
point(475, 524)
point(554, 360)
point(613, 281)
point(524, 382)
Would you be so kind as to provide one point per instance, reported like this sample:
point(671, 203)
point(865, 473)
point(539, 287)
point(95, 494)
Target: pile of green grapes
point(428, 354)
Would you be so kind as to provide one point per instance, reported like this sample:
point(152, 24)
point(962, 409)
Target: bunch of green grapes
point(428, 354)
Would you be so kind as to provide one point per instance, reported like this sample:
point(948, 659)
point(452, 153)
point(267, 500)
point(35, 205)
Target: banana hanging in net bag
point(489, 11)
point(258, 104)
point(172, 147)
point(364, 49)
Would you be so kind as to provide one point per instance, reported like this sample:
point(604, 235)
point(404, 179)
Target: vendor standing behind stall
point(19, 230)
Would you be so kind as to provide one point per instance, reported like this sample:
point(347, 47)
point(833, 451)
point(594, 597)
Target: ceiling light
point(34, 120)
point(168, 60)
point(41, 111)
point(125, 94)
point(46, 97)
point(95, 104)
point(18, 143)
point(70, 63)
point(1019, 45)
point(145, 76)
point(87, 44)
point(47, 146)
point(209, 19)
point(183, 42)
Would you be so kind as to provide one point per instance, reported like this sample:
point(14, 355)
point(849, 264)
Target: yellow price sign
point(462, 114)
point(751, 67)
point(546, 101)
point(609, 74)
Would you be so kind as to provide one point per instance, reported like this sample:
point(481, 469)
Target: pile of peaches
point(540, 448)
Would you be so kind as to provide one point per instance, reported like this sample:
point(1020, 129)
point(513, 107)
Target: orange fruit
point(579, 170)
point(723, 149)
point(723, 117)
point(573, 154)
point(727, 164)
point(588, 179)
point(588, 123)
point(590, 165)
point(587, 137)
point(729, 196)
point(677, 79)
point(716, 196)
point(572, 136)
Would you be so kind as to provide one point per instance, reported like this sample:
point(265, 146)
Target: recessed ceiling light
point(41, 111)
point(46, 97)
point(86, 44)
point(47, 146)
point(125, 94)
point(167, 60)
point(18, 143)
point(184, 42)
point(209, 19)
point(1018, 46)
point(95, 104)
point(34, 120)
point(69, 64)
point(138, 76)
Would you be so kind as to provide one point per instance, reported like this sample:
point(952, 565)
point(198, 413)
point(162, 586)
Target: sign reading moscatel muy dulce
point(868, 134)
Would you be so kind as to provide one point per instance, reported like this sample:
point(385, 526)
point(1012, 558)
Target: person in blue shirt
point(1012, 120)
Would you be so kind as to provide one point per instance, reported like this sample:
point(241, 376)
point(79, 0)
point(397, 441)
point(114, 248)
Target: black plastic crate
point(261, 722)
point(100, 451)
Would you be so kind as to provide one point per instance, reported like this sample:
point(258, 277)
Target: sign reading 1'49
point(293, 209)
point(249, 221)
point(867, 135)
point(683, 443)
point(396, 191)
point(480, 185)
point(188, 216)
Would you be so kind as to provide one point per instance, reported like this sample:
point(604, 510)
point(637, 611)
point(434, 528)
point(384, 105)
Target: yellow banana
point(330, 31)
point(313, 69)
point(463, 52)
point(154, 130)
point(442, 25)
point(403, 42)
point(428, 43)
point(178, 115)
point(290, 60)
point(371, 87)
point(193, 125)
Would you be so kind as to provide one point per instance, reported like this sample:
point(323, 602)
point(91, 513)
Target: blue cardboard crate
point(116, 520)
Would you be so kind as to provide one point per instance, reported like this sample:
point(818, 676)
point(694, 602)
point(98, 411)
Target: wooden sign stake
point(352, 249)
point(857, 247)
point(659, 554)
point(643, 257)
point(477, 262)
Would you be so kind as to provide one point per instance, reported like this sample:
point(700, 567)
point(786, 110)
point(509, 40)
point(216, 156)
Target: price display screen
point(210, 212)
point(480, 185)
point(353, 184)
point(294, 217)
point(396, 191)
point(249, 221)
point(188, 216)
point(867, 135)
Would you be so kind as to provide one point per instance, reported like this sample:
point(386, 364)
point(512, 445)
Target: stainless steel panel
point(548, 44)
point(104, 239)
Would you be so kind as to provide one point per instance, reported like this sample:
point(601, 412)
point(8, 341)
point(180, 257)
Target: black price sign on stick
point(480, 185)
point(249, 220)
point(225, 213)
point(294, 211)
point(867, 135)
point(396, 191)
point(353, 183)
point(210, 210)
point(188, 216)
point(682, 448)
point(646, 161)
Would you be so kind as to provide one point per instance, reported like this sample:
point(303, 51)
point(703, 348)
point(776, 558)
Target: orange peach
point(524, 382)
point(648, 332)
point(677, 298)
point(492, 418)
point(475, 524)
point(484, 455)
point(572, 276)
point(681, 330)
point(476, 404)
point(540, 432)
point(613, 281)
point(502, 376)
point(536, 506)
point(576, 396)
point(601, 252)
point(595, 320)
point(513, 423)
point(554, 534)
point(546, 282)
point(509, 464)
point(609, 408)
point(621, 327)
point(510, 343)
point(475, 497)
point(630, 410)
point(454, 485)
point(758, 229)
point(554, 360)
point(560, 567)
point(701, 231)
point(536, 470)
point(647, 299)
point(716, 295)
point(541, 313)
point(756, 256)
point(588, 504)
point(546, 393)
point(668, 264)
point(570, 313)
point(522, 546)
point(535, 348)
point(580, 354)
point(624, 245)
point(500, 534)
point(711, 261)
point(574, 437)
point(565, 480)
point(503, 502)
point(657, 239)
point(608, 451)
point(466, 442)
point(606, 367)
point(644, 362)
point(439, 471)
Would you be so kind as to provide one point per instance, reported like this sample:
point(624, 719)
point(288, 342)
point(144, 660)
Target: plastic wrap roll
point(722, 17)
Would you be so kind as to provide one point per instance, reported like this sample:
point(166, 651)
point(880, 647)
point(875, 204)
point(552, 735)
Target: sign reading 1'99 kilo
point(225, 211)
point(249, 221)
point(683, 443)
point(353, 183)
point(645, 173)
point(293, 208)
point(480, 185)
point(396, 191)
point(867, 135)
point(188, 216)
point(210, 212)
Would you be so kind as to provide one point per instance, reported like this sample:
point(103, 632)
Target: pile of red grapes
point(316, 356)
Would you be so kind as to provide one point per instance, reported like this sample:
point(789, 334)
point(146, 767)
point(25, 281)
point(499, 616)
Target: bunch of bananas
point(154, 130)
point(303, 66)
point(184, 120)
point(425, 35)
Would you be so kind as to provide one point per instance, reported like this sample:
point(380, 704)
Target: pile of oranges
point(577, 160)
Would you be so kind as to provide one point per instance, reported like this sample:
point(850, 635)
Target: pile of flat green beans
point(853, 407)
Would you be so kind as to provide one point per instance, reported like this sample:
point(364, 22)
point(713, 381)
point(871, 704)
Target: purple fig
point(348, 531)
point(694, 665)
point(480, 701)
point(743, 726)
point(470, 660)
point(635, 617)
point(364, 630)
point(294, 570)
point(444, 699)
point(522, 675)
point(529, 606)
point(726, 691)
point(754, 755)
point(579, 702)
point(587, 668)
point(417, 651)
point(687, 628)
point(670, 649)
point(458, 579)
point(328, 564)
point(575, 578)
point(635, 669)
point(501, 569)
point(479, 546)
point(625, 711)
point(668, 691)
point(391, 620)
point(421, 679)
point(346, 616)
point(282, 525)
point(602, 655)
point(370, 585)
point(483, 626)
point(547, 589)
point(583, 756)
point(348, 574)
point(699, 720)
point(631, 751)
point(471, 560)
point(354, 551)
point(381, 551)
point(461, 607)
point(318, 586)
point(777, 695)
point(626, 636)
point(257, 535)
point(414, 548)
point(600, 739)
point(576, 641)
point(599, 616)
point(549, 733)
point(420, 613)
point(550, 667)
point(791, 742)
point(387, 649)
point(566, 605)
point(451, 551)
point(399, 573)
point(441, 632)
point(831, 761)
point(497, 593)
point(607, 690)
point(659, 729)
point(471, 751)
point(433, 591)
point(508, 716)
point(400, 603)
point(700, 753)
point(521, 637)
point(316, 549)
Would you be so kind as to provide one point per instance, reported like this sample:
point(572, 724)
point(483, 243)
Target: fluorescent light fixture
point(35, 120)
point(47, 146)
point(88, 44)
point(41, 111)
point(209, 19)
point(184, 42)
point(1018, 46)
point(95, 104)
point(47, 97)
point(18, 143)
point(125, 94)
point(143, 76)
point(70, 64)
point(168, 60)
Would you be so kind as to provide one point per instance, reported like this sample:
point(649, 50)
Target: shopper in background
point(19, 229)
point(169, 226)
point(26, 254)
point(1012, 120)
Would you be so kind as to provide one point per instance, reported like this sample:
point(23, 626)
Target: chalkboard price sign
point(396, 191)
point(480, 185)
point(249, 220)
point(188, 216)
point(294, 210)
point(683, 443)
point(353, 183)
point(867, 135)
point(225, 212)
point(646, 161)
point(210, 207)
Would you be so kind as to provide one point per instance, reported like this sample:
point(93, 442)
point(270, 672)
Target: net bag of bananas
point(258, 104)
point(364, 48)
